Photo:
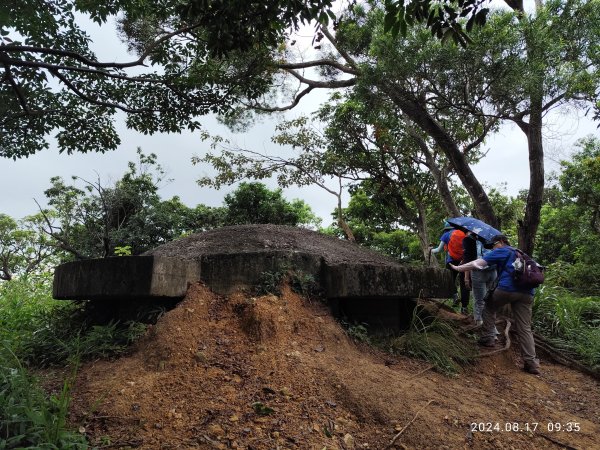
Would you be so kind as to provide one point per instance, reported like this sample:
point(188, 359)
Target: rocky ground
point(278, 372)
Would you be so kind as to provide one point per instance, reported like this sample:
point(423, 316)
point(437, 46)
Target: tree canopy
point(193, 57)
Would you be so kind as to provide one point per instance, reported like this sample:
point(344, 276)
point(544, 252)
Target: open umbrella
point(481, 229)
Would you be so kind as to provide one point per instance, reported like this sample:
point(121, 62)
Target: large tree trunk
point(429, 125)
point(527, 228)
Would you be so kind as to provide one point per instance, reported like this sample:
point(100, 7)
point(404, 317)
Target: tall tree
point(516, 70)
point(89, 219)
point(310, 165)
point(521, 67)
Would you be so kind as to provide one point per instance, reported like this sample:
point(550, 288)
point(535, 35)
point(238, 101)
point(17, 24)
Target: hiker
point(451, 243)
point(521, 300)
point(478, 280)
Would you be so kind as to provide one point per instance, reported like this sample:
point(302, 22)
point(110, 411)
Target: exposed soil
point(280, 373)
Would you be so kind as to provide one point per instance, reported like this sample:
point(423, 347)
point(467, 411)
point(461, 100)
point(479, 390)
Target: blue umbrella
point(481, 229)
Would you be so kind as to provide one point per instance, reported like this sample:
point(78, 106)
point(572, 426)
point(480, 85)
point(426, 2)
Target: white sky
point(24, 180)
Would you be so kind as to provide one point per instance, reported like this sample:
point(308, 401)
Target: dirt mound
point(279, 373)
point(252, 238)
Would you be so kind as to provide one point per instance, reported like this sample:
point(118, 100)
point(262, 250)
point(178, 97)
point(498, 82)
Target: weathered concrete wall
point(226, 272)
point(124, 277)
point(360, 280)
point(159, 276)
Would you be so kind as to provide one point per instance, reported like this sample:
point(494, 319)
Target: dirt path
point(280, 373)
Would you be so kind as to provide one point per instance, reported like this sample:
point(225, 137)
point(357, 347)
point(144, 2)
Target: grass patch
point(435, 341)
point(569, 322)
point(43, 332)
point(428, 338)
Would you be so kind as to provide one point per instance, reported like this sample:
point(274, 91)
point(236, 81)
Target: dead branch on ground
point(393, 441)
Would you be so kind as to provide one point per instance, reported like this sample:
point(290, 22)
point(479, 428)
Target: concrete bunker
point(360, 284)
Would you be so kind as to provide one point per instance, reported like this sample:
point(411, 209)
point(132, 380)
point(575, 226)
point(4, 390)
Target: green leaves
point(445, 19)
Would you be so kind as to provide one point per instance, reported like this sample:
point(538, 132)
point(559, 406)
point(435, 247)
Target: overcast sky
point(24, 180)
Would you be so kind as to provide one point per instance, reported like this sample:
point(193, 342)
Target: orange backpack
point(455, 246)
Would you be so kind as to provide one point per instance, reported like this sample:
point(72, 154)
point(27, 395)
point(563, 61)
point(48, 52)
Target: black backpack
point(528, 273)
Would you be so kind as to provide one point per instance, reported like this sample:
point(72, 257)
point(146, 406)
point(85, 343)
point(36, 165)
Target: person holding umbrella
point(506, 293)
point(451, 243)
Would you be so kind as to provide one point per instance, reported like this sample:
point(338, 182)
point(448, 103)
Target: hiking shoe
point(487, 342)
point(533, 369)
point(479, 323)
point(455, 301)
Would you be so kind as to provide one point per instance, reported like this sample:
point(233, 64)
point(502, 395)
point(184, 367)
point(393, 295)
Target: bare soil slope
point(280, 373)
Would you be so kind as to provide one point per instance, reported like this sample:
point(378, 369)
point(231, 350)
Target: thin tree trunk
point(341, 222)
point(527, 228)
point(439, 175)
point(423, 234)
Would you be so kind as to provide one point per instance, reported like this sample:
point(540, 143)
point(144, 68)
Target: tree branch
point(333, 84)
point(292, 105)
point(340, 50)
point(319, 63)
point(93, 63)
point(89, 99)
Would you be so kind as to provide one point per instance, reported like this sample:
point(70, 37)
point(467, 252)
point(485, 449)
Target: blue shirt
point(504, 257)
point(445, 238)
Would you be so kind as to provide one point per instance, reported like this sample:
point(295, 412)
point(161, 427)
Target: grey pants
point(481, 281)
point(521, 304)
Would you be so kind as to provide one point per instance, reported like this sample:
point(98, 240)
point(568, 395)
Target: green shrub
point(581, 278)
point(570, 323)
point(270, 282)
point(358, 332)
point(28, 417)
point(428, 338)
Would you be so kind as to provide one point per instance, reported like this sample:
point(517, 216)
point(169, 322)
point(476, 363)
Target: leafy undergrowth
point(571, 324)
point(37, 331)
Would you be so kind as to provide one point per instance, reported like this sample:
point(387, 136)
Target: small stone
point(234, 418)
point(216, 430)
point(349, 441)
point(200, 357)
